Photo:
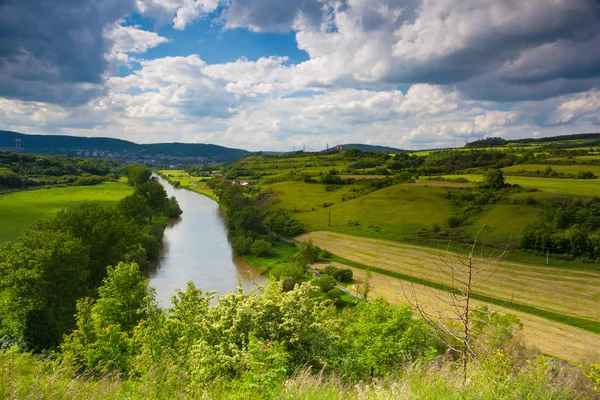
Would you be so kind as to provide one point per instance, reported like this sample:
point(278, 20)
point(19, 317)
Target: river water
point(196, 248)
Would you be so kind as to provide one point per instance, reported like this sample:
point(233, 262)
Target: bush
point(453, 222)
point(335, 295)
point(325, 254)
point(242, 244)
point(343, 275)
point(260, 248)
point(325, 283)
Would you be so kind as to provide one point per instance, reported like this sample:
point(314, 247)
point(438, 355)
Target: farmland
point(575, 293)
point(193, 183)
point(18, 210)
point(558, 340)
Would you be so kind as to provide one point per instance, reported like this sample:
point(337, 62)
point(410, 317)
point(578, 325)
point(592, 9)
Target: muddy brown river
point(196, 248)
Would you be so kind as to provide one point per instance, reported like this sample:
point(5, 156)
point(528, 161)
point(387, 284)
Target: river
point(196, 248)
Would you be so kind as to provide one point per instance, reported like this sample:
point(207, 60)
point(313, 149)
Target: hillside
point(121, 149)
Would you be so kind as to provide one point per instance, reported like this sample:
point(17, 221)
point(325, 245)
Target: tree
point(135, 207)
point(155, 195)
point(137, 174)
point(493, 179)
point(107, 234)
point(173, 209)
point(43, 274)
point(463, 273)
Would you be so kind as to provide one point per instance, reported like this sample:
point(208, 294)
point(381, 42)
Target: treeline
point(60, 260)
point(487, 142)
point(19, 170)
point(567, 229)
point(550, 173)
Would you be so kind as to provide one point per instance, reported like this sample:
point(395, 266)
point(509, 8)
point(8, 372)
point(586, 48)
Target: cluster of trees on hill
point(19, 170)
point(59, 260)
point(487, 142)
point(567, 228)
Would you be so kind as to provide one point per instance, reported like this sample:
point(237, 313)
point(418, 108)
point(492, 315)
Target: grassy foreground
point(18, 210)
point(24, 377)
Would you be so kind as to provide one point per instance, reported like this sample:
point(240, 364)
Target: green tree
point(43, 274)
point(135, 207)
point(493, 179)
point(173, 209)
point(155, 195)
point(137, 174)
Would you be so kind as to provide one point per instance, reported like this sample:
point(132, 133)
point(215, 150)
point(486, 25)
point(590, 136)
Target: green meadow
point(18, 210)
point(394, 213)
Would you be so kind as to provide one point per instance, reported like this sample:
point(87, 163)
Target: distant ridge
point(368, 147)
point(68, 145)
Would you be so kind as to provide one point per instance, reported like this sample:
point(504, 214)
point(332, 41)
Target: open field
point(575, 187)
point(18, 210)
point(552, 338)
point(567, 169)
point(575, 293)
point(395, 212)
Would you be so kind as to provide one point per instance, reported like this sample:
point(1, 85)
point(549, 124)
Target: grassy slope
point(18, 210)
point(393, 213)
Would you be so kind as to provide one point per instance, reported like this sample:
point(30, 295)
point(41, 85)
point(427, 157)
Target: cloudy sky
point(272, 74)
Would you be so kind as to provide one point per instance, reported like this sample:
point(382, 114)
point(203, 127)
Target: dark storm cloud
point(53, 51)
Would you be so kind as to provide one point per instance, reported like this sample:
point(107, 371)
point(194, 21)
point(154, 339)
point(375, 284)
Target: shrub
point(325, 283)
point(242, 244)
point(260, 248)
point(343, 275)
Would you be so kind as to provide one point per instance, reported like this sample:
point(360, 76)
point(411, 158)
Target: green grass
point(574, 187)
point(18, 210)
point(190, 182)
point(303, 197)
point(503, 221)
point(393, 213)
point(281, 253)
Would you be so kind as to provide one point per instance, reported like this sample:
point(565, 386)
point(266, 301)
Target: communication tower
point(17, 143)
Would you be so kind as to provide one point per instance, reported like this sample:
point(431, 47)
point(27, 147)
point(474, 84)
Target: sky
point(279, 74)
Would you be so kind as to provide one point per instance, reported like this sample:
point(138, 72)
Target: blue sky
point(273, 74)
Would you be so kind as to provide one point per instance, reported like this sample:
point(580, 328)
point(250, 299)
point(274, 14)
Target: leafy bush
point(260, 248)
point(325, 283)
point(242, 245)
point(343, 275)
point(173, 209)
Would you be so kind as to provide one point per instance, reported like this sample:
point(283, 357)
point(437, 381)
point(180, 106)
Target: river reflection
point(196, 248)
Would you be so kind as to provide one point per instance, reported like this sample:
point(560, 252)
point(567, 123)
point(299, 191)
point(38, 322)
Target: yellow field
point(565, 291)
point(552, 338)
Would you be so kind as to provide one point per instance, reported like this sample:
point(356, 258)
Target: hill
point(372, 148)
point(180, 153)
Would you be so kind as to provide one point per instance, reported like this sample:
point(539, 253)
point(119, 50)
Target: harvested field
point(565, 291)
point(552, 338)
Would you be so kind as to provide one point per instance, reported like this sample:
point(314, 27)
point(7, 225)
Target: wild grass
point(24, 377)
point(18, 210)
